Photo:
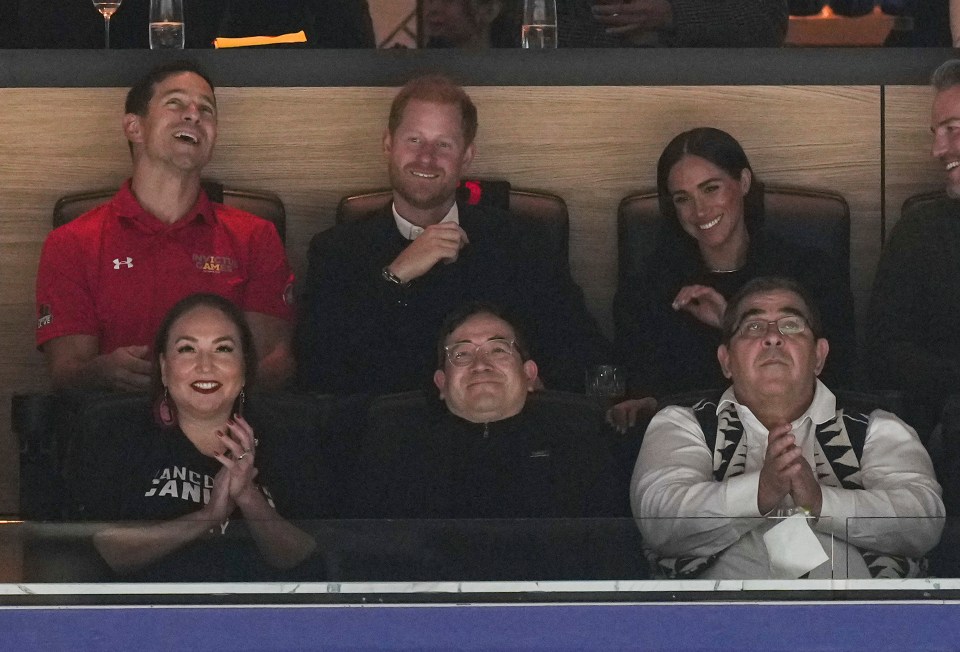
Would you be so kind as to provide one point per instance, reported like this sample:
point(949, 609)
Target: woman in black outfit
point(668, 317)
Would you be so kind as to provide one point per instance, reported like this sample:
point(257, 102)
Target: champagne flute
point(107, 8)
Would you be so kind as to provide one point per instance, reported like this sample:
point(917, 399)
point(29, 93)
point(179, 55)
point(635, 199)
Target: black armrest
point(31, 418)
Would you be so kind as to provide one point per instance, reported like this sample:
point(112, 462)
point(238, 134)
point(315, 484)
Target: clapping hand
point(782, 461)
point(238, 458)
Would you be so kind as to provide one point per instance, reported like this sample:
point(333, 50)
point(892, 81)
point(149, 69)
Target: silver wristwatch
point(392, 278)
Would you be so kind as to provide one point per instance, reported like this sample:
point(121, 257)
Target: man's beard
point(440, 197)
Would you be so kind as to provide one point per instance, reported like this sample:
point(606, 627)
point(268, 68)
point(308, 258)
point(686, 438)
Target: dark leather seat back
point(816, 219)
point(546, 212)
point(262, 204)
point(920, 199)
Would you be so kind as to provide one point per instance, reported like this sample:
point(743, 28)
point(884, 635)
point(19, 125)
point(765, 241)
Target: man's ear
point(132, 127)
point(468, 155)
point(723, 355)
point(823, 348)
point(440, 380)
point(387, 142)
point(531, 370)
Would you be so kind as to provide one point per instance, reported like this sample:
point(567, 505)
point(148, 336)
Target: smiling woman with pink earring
point(196, 472)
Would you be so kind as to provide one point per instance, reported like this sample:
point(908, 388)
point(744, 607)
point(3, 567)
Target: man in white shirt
point(775, 443)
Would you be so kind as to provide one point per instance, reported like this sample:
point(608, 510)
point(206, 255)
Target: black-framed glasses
point(463, 354)
point(757, 328)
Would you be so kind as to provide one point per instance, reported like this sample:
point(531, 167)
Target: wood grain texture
point(590, 145)
point(910, 168)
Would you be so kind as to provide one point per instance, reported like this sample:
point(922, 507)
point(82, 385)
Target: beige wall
point(591, 145)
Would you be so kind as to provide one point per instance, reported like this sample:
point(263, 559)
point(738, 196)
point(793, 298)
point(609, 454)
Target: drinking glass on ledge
point(539, 31)
point(166, 24)
point(107, 8)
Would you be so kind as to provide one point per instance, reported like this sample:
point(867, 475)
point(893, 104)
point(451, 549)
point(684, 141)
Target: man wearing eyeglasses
point(778, 443)
point(493, 449)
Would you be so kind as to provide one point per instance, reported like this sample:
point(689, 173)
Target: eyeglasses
point(757, 328)
point(463, 354)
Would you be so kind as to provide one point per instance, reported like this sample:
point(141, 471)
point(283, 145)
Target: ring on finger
point(242, 455)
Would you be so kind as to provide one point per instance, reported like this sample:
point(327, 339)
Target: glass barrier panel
point(622, 560)
point(489, 550)
point(902, 547)
point(340, 551)
point(761, 548)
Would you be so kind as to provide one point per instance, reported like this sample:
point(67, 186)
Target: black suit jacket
point(360, 333)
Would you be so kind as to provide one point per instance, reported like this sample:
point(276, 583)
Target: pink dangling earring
point(166, 413)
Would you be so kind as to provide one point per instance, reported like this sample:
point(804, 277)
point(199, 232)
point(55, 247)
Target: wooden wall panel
point(591, 145)
point(910, 169)
point(594, 146)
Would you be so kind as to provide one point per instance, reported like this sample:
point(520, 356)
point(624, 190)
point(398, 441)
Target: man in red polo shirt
point(107, 278)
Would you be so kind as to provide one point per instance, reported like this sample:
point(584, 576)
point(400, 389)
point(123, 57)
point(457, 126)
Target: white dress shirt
point(411, 231)
point(673, 478)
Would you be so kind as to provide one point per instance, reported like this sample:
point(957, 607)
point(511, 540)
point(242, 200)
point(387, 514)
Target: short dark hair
point(947, 75)
point(440, 90)
point(140, 94)
point(459, 315)
point(763, 284)
point(204, 300)
point(721, 149)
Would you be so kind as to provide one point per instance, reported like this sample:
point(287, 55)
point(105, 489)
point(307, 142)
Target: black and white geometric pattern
point(837, 453)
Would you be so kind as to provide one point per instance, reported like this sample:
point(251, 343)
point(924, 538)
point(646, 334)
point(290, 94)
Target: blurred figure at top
point(323, 23)
point(468, 24)
point(929, 23)
point(75, 25)
point(955, 22)
point(672, 23)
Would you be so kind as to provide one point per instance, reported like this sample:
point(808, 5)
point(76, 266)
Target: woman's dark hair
point(719, 148)
point(204, 300)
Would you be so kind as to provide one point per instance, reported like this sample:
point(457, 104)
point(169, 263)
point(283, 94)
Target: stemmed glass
point(107, 8)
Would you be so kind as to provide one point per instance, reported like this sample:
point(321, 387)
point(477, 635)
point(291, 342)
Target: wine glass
point(107, 8)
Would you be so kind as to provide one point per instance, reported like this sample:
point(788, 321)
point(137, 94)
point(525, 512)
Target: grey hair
point(947, 75)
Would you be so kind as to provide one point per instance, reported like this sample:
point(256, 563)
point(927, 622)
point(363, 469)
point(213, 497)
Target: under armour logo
point(128, 261)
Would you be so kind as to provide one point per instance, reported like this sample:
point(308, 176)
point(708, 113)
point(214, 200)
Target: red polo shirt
point(115, 271)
